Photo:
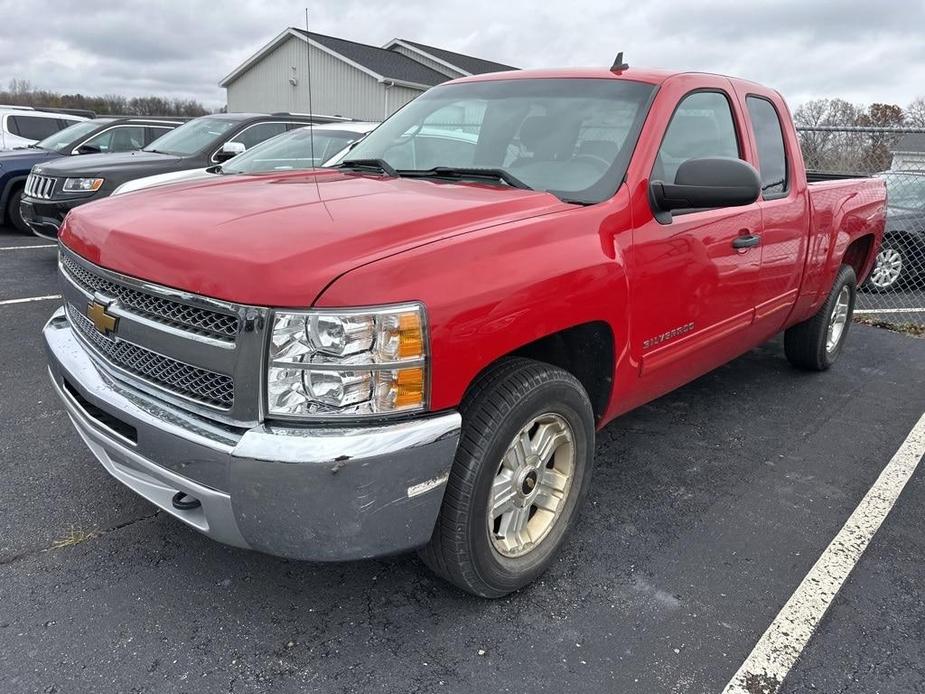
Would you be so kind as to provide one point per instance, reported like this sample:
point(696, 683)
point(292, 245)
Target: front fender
point(492, 291)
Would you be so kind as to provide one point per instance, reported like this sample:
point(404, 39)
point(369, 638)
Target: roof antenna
point(618, 64)
point(311, 111)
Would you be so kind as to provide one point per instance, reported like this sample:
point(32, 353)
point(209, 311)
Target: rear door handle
point(746, 241)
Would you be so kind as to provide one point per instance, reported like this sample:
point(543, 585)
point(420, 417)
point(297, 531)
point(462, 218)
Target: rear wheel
point(14, 214)
point(816, 343)
point(521, 472)
point(889, 269)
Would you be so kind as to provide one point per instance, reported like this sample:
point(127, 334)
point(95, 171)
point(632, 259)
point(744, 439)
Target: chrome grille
point(201, 321)
point(191, 382)
point(41, 187)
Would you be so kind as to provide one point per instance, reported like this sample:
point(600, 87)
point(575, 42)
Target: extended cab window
point(570, 137)
point(702, 126)
point(772, 157)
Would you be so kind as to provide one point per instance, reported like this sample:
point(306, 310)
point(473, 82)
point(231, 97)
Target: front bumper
point(324, 494)
point(44, 217)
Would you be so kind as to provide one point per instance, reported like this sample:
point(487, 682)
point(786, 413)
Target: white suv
point(21, 126)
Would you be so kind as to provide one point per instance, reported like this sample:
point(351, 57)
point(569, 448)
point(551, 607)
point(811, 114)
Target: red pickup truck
point(414, 350)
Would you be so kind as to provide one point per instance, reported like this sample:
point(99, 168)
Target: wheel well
point(7, 193)
point(857, 254)
point(586, 351)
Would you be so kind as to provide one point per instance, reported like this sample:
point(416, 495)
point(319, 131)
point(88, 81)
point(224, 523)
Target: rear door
point(784, 207)
point(692, 292)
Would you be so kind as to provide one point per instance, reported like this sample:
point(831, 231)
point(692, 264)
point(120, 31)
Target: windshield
point(570, 137)
point(191, 137)
point(905, 190)
point(292, 150)
point(64, 140)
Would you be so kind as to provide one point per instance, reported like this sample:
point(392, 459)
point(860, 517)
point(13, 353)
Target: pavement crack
point(76, 538)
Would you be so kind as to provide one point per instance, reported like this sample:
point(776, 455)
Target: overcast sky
point(859, 50)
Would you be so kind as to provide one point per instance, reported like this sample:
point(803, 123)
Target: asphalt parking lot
point(708, 508)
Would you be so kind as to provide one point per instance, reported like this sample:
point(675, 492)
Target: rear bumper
point(305, 493)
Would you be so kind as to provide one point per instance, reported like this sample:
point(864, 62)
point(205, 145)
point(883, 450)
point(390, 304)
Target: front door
point(693, 292)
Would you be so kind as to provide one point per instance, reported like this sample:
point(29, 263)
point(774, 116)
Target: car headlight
point(82, 185)
point(347, 362)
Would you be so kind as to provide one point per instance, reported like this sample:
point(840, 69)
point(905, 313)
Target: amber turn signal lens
point(409, 388)
point(410, 336)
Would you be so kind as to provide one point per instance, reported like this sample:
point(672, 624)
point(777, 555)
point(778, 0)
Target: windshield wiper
point(369, 165)
point(470, 173)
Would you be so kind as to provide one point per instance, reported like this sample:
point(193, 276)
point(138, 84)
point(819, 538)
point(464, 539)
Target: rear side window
point(702, 126)
point(33, 128)
point(772, 156)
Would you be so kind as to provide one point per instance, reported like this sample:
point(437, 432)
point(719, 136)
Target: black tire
point(805, 343)
point(13, 213)
point(505, 399)
point(883, 285)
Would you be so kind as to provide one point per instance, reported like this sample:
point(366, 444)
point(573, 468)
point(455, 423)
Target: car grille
point(191, 382)
point(198, 320)
point(41, 187)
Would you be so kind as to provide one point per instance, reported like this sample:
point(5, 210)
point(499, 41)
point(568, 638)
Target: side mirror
point(87, 149)
point(706, 183)
point(229, 150)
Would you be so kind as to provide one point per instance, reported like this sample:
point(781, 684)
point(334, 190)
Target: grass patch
point(914, 329)
point(73, 537)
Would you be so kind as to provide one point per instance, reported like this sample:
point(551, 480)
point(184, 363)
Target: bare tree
point(22, 93)
point(915, 113)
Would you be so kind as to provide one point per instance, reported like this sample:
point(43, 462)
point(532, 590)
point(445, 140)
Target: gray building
point(348, 79)
point(909, 153)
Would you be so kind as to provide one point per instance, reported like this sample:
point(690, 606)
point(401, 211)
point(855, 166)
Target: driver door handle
point(746, 241)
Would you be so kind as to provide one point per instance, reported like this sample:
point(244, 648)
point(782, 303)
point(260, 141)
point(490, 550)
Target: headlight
point(347, 363)
point(82, 185)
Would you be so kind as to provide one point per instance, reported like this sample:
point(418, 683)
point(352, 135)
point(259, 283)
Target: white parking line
point(891, 310)
point(26, 248)
point(783, 642)
point(28, 299)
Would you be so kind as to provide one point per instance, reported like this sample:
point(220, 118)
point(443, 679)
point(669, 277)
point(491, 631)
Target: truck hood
point(280, 239)
point(92, 165)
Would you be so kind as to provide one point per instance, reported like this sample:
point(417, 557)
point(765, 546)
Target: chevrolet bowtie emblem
point(102, 320)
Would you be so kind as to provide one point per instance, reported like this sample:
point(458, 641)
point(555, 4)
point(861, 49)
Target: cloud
point(856, 50)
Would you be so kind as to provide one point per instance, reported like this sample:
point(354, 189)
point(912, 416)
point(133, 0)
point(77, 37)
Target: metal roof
point(913, 142)
point(390, 65)
point(466, 63)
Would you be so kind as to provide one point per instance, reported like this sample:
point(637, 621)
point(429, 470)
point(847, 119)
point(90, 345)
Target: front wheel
point(521, 472)
point(14, 213)
point(816, 343)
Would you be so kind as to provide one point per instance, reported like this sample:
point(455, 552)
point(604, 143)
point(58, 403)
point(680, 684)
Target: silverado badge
point(102, 320)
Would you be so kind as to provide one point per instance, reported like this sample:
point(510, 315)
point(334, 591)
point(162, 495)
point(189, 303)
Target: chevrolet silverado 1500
point(414, 350)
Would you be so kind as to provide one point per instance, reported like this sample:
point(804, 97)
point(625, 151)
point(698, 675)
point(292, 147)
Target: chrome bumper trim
point(320, 493)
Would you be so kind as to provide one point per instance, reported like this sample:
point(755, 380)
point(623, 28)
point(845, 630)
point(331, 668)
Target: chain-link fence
point(894, 294)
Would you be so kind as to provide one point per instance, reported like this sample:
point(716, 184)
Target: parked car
point(289, 151)
point(21, 126)
point(901, 258)
point(84, 137)
point(414, 350)
point(55, 189)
